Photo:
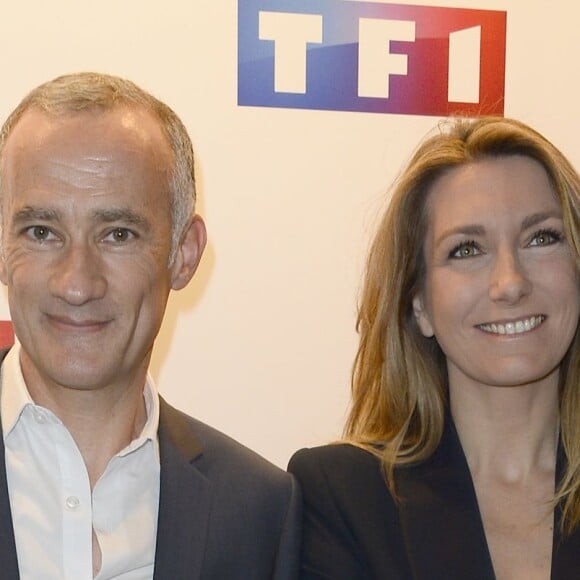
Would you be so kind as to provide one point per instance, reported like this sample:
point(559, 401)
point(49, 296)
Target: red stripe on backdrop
point(6, 333)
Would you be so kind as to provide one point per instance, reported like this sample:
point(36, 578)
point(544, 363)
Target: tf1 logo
point(372, 57)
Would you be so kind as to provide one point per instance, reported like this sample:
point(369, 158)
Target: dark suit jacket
point(224, 512)
point(353, 530)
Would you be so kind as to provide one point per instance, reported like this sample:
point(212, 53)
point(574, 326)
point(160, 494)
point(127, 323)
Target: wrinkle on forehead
point(64, 154)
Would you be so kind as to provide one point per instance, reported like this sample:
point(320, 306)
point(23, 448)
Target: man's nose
point(509, 281)
point(77, 275)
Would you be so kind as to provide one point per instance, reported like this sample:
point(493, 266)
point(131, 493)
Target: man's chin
point(76, 373)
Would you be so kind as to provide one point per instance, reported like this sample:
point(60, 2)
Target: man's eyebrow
point(111, 215)
point(30, 214)
point(123, 215)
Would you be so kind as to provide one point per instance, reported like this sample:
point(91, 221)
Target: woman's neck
point(510, 433)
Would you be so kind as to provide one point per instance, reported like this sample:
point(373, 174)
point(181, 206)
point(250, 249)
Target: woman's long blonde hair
point(399, 383)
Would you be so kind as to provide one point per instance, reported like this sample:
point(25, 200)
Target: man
point(99, 477)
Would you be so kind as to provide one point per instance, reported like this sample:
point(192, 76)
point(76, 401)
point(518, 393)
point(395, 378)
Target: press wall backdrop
point(301, 112)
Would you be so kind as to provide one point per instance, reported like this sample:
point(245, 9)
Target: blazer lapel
point(440, 517)
point(566, 556)
point(184, 500)
point(565, 550)
point(8, 558)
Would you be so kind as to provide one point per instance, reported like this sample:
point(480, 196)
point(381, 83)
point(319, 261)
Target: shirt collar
point(14, 395)
point(149, 431)
point(14, 398)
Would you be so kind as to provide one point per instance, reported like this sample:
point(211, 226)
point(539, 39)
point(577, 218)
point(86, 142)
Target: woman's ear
point(188, 253)
point(422, 317)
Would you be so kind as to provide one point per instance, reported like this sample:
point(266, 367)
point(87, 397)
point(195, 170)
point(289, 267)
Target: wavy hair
point(399, 380)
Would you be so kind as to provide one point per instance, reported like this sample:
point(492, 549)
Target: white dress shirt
point(53, 510)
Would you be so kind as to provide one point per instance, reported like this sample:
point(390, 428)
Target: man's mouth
point(86, 324)
point(514, 326)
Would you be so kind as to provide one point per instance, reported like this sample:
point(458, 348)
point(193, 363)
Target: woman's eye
point(545, 238)
point(119, 235)
point(465, 250)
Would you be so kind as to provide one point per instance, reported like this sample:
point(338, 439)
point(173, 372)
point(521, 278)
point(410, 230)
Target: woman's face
point(501, 292)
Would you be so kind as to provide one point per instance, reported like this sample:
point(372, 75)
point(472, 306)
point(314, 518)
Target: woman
point(462, 458)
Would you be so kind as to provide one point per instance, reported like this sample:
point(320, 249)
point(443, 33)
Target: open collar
point(442, 524)
point(440, 517)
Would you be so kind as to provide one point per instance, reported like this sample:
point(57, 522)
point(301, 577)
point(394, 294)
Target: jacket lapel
point(184, 500)
point(565, 550)
point(8, 558)
point(566, 556)
point(440, 517)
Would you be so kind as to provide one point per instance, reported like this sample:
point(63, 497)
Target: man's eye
point(39, 233)
point(465, 250)
point(119, 235)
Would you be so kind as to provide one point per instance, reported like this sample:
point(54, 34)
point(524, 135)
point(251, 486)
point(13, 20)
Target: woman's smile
point(513, 327)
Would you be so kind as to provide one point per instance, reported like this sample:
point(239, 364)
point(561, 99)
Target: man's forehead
point(88, 155)
point(85, 142)
point(126, 123)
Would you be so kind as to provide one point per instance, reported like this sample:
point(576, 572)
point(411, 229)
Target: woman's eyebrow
point(537, 218)
point(478, 230)
point(465, 230)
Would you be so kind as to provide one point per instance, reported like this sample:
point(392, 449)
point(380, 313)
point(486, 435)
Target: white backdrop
point(261, 343)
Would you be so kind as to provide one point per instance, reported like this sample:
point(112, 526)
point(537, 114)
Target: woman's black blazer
point(353, 530)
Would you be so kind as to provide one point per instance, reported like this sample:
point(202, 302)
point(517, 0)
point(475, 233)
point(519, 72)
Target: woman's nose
point(509, 282)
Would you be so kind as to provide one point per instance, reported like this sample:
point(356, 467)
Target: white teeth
point(517, 327)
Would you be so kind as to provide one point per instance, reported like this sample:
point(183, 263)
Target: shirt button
point(72, 502)
point(40, 416)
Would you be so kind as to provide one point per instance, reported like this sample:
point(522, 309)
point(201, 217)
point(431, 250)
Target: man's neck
point(102, 421)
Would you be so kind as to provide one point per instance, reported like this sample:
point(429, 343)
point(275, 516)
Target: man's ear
point(188, 253)
point(422, 317)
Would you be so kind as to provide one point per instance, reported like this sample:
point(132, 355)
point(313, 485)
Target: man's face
point(86, 239)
